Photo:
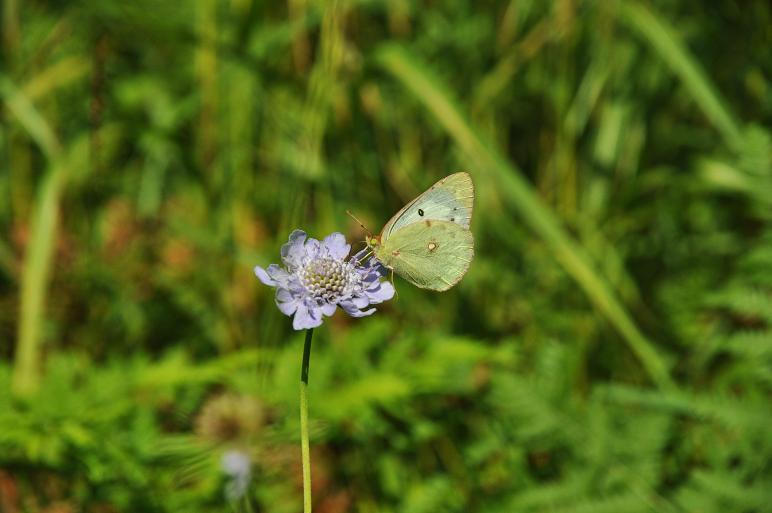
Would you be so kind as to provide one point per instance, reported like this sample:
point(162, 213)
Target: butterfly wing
point(451, 199)
point(429, 254)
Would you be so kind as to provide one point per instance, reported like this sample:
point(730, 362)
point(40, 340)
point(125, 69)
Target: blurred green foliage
point(609, 350)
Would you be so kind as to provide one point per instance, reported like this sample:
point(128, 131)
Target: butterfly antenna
point(352, 216)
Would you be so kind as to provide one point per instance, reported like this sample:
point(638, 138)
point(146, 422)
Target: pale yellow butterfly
point(428, 242)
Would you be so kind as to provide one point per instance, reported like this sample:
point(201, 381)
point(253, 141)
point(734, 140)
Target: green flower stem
point(304, 423)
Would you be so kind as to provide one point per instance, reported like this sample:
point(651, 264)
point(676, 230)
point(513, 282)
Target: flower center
point(326, 278)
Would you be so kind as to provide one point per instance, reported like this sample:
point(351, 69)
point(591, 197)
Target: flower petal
point(297, 288)
point(336, 246)
point(293, 251)
point(307, 316)
point(279, 275)
point(351, 309)
point(381, 293)
point(328, 309)
point(263, 276)
point(286, 301)
point(312, 248)
point(360, 301)
point(370, 279)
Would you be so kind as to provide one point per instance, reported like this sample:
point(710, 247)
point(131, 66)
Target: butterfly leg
point(366, 256)
point(392, 284)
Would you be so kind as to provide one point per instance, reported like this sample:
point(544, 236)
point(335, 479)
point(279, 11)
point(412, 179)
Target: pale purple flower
point(238, 467)
point(317, 278)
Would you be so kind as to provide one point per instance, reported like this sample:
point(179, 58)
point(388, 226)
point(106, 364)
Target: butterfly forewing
point(450, 199)
point(430, 254)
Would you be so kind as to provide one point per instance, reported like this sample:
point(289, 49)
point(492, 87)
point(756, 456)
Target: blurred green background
point(610, 349)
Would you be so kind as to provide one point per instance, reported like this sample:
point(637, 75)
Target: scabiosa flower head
point(317, 278)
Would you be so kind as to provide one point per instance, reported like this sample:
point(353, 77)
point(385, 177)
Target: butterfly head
point(373, 241)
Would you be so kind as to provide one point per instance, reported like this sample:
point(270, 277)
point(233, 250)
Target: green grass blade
point(666, 43)
point(59, 74)
point(37, 260)
point(34, 280)
point(519, 195)
point(29, 117)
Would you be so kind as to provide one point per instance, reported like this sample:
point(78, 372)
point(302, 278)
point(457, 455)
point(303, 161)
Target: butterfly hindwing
point(450, 199)
point(430, 254)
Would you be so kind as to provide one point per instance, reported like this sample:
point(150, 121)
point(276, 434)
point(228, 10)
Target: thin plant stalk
point(304, 447)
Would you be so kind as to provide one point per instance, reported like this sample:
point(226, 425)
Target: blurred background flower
point(238, 467)
point(230, 419)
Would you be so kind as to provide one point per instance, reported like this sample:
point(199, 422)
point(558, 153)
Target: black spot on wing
point(420, 212)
